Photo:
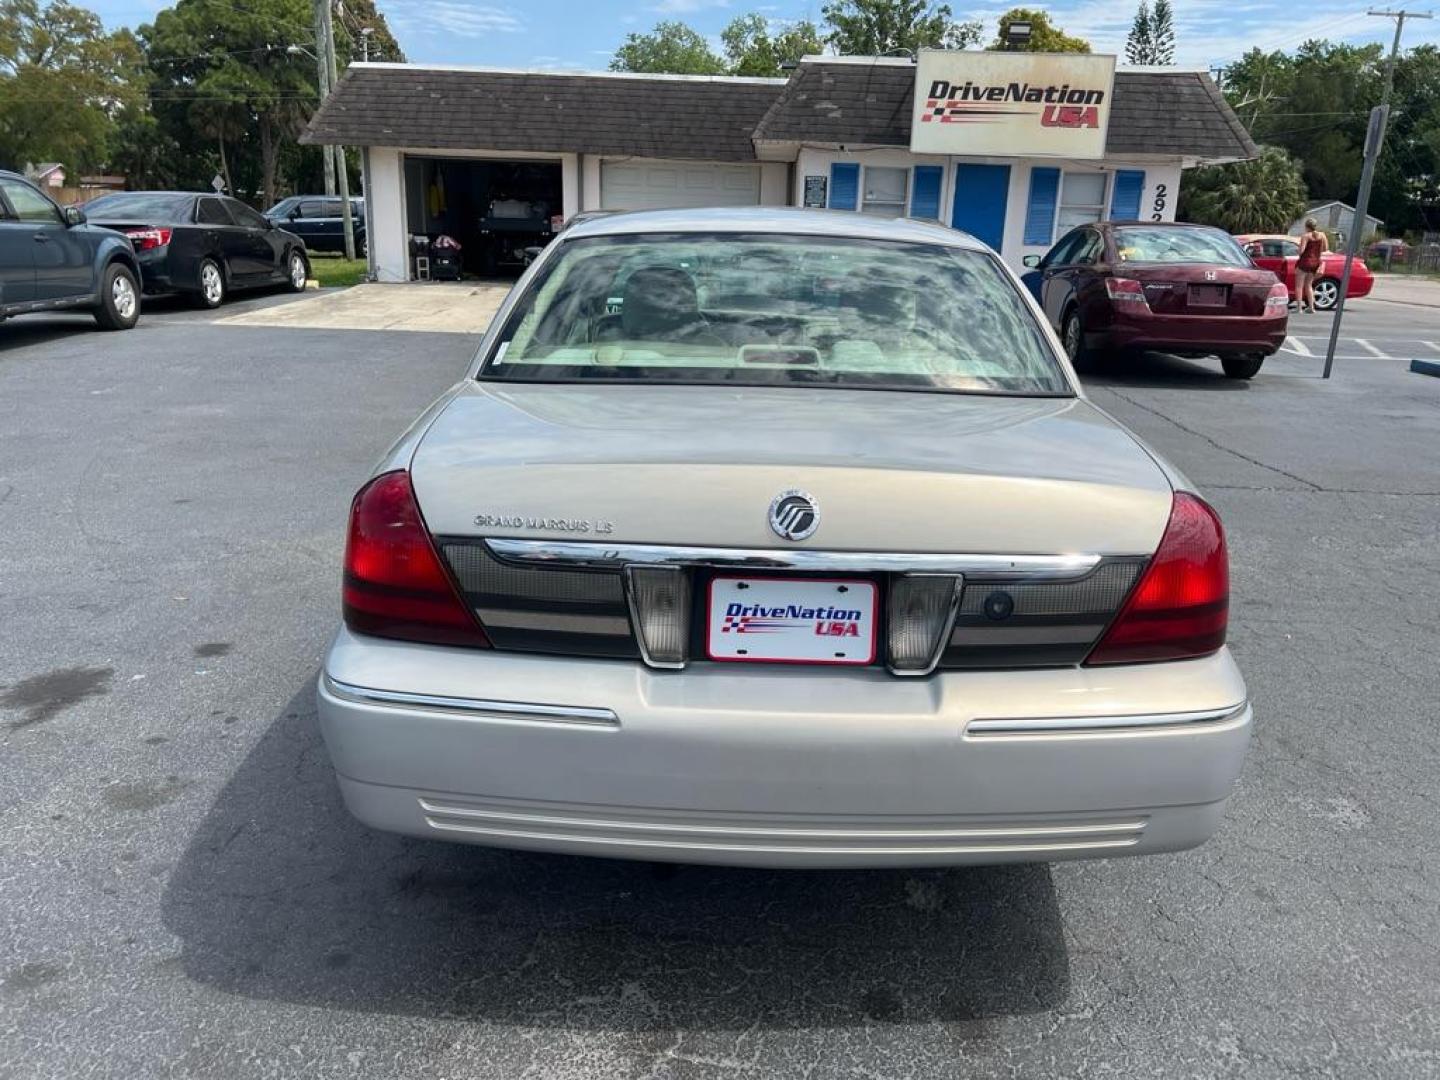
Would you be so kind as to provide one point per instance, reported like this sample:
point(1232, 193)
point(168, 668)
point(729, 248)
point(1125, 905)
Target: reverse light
point(660, 610)
point(1279, 298)
point(1126, 291)
point(1180, 607)
point(395, 585)
point(921, 611)
point(148, 239)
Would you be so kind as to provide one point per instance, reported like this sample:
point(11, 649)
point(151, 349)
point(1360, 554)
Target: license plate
point(778, 620)
point(1209, 295)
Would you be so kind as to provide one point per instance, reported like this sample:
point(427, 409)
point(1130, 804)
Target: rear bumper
point(1194, 333)
point(768, 767)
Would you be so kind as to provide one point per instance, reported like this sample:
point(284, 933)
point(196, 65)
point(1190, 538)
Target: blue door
point(981, 193)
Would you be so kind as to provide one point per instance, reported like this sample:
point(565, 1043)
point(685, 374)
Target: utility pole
point(1374, 140)
point(324, 66)
point(342, 173)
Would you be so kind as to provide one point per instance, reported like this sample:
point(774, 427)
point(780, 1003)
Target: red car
point(1140, 285)
point(1279, 254)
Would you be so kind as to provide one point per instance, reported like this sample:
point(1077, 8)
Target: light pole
point(365, 32)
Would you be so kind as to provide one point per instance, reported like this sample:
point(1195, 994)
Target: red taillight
point(146, 239)
point(1125, 290)
point(1181, 605)
point(1279, 298)
point(395, 585)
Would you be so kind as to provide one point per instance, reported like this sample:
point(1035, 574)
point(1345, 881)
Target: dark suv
point(319, 221)
point(51, 259)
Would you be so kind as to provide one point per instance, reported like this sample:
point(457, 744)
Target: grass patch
point(337, 272)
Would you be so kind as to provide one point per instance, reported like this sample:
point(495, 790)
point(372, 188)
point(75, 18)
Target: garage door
point(640, 185)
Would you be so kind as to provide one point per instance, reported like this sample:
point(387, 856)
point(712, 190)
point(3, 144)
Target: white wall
point(385, 203)
point(816, 162)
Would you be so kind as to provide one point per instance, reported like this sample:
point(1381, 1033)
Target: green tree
point(1162, 34)
point(1045, 36)
point(752, 50)
point(356, 16)
point(1139, 45)
point(878, 27)
point(223, 79)
point(1262, 195)
point(672, 47)
point(63, 80)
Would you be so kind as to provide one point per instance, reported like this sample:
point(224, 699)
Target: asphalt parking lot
point(182, 894)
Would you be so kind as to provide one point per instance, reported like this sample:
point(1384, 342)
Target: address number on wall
point(1162, 197)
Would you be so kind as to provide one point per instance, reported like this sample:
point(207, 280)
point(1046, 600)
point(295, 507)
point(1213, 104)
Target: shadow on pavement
point(281, 895)
point(1164, 372)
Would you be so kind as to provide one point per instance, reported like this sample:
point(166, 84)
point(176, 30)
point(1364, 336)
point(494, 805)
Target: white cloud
point(687, 7)
point(470, 20)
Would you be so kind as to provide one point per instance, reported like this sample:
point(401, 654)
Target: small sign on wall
point(815, 191)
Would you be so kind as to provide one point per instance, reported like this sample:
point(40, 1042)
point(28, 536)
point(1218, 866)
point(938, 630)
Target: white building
point(1002, 160)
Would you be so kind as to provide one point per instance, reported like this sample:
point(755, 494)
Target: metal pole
point(342, 172)
point(1374, 138)
point(324, 67)
point(1374, 135)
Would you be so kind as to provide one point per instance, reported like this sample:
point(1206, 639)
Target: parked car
point(52, 259)
point(319, 221)
point(1395, 251)
point(845, 571)
point(1279, 254)
point(204, 246)
point(1183, 289)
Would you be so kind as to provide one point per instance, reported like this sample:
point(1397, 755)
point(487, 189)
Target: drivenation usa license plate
point(790, 621)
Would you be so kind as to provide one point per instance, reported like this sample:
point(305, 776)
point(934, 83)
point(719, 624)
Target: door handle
point(42, 238)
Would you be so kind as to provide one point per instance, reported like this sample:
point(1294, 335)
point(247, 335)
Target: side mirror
point(1032, 261)
point(270, 221)
point(74, 216)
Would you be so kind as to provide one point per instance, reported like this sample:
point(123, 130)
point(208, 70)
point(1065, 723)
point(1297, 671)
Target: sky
point(583, 34)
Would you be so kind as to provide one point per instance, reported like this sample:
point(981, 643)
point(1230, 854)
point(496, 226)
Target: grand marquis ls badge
point(794, 515)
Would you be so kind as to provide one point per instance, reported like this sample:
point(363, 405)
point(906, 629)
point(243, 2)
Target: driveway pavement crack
point(1218, 446)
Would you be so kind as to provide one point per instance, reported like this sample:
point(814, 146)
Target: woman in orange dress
point(1313, 244)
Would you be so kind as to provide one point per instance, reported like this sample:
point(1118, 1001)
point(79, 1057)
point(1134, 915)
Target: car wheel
point(119, 307)
point(297, 272)
point(1244, 366)
point(1072, 336)
point(1327, 294)
point(212, 285)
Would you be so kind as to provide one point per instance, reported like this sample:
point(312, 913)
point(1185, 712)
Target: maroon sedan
point(1184, 289)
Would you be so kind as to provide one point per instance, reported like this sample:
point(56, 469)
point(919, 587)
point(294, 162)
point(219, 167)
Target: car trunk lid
point(889, 471)
point(1188, 289)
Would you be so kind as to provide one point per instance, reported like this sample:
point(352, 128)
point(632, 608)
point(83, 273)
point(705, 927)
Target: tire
point(1072, 337)
point(119, 307)
point(1244, 366)
point(297, 271)
point(212, 285)
point(1327, 293)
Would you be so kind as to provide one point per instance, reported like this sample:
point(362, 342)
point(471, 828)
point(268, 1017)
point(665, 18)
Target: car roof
point(789, 220)
point(1266, 236)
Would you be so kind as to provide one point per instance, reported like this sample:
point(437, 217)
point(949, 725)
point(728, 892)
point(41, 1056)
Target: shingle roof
point(645, 116)
point(1154, 112)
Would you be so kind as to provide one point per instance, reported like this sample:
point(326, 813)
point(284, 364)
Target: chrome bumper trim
point(1079, 725)
point(614, 556)
point(480, 707)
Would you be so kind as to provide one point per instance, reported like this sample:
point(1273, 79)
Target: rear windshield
point(775, 310)
point(141, 206)
point(1178, 246)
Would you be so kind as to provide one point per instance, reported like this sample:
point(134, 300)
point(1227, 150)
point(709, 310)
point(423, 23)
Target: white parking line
point(1298, 346)
point(1431, 345)
point(1371, 349)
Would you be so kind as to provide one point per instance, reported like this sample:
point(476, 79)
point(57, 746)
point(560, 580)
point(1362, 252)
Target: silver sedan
point(781, 538)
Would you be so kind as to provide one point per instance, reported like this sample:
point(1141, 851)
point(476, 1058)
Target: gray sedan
point(781, 538)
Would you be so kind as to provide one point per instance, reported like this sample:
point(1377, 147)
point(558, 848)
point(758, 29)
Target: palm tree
point(1264, 194)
